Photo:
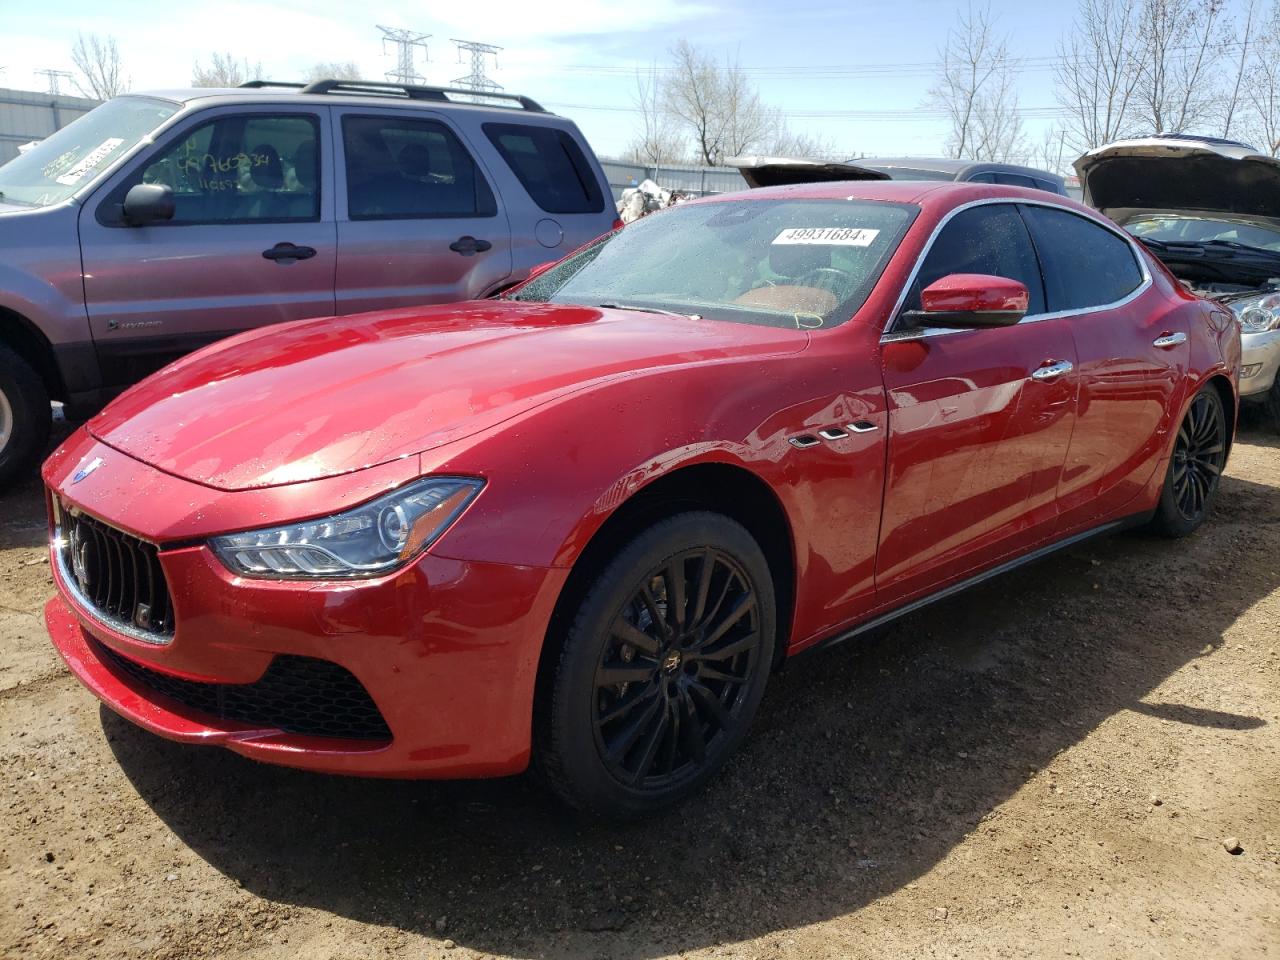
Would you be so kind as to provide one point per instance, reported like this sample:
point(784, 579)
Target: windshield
point(1175, 229)
point(783, 263)
point(58, 166)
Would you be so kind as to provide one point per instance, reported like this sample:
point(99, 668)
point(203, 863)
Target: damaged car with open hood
point(1209, 209)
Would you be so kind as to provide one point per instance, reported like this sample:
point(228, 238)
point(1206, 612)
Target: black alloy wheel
point(675, 671)
point(1199, 455)
point(656, 675)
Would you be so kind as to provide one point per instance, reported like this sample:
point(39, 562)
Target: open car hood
point(1183, 175)
point(784, 171)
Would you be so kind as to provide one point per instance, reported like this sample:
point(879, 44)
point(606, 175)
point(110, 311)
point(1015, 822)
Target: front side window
point(550, 165)
point(783, 263)
point(1085, 265)
point(243, 168)
point(399, 169)
point(989, 239)
point(80, 152)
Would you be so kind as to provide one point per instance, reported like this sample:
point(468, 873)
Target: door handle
point(1167, 341)
point(1052, 370)
point(287, 251)
point(469, 245)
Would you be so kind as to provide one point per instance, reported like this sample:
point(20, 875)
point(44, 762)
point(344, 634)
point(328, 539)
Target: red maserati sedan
point(579, 526)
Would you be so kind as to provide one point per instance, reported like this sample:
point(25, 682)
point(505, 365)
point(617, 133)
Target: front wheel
point(25, 416)
point(1199, 455)
point(1271, 405)
point(662, 669)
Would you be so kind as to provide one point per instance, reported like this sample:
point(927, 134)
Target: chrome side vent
point(804, 440)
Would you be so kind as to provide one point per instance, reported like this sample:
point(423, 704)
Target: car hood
point(785, 171)
point(315, 398)
point(1166, 174)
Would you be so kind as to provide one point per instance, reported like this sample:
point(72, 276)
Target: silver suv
point(160, 222)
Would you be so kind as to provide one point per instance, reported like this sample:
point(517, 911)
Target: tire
point(25, 417)
point(1195, 469)
point(687, 685)
point(1271, 405)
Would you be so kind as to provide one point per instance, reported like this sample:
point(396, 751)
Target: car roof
point(954, 166)
point(345, 93)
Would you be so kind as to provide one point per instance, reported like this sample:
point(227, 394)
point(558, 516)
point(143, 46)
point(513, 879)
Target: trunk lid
point(761, 171)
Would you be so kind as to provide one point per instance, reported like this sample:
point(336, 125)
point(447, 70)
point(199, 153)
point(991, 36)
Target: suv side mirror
point(148, 203)
point(969, 301)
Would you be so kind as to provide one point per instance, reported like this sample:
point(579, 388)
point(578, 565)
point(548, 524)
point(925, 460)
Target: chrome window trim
point(85, 606)
point(888, 335)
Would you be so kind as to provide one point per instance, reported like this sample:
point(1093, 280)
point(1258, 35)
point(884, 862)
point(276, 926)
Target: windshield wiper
point(1223, 249)
point(632, 306)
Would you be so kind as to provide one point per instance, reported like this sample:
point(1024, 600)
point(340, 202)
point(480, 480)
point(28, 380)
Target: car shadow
point(23, 520)
point(869, 762)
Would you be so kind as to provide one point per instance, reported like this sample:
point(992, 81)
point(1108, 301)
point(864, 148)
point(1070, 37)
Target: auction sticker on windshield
point(91, 160)
point(828, 236)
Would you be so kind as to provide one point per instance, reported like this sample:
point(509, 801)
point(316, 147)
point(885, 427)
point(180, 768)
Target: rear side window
point(1014, 180)
point(401, 169)
point(990, 239)
point(242, 169)
point(1085, 265)
point(550, 165)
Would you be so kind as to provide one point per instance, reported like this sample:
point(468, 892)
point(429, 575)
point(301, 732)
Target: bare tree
point(659, 141)
point(1262, 98)
point(785, 142)
point(691, 91)
point(97, 63)
point(334, 70)
point(1180, 46)
point(976, 90)
point(1243, 61)
point(1097, 72)
point(224, 71)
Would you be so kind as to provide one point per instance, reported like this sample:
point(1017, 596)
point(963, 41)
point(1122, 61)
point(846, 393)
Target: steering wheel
point(831, 279)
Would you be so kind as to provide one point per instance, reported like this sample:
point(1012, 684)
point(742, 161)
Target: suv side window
point(985, 177)
point(990, 239)
point(404, 169)
point(1014, 180)
point(253, 167)
point(550, 165)
point(1085, 265)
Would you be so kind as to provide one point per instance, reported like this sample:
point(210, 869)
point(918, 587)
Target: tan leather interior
point(790, 299)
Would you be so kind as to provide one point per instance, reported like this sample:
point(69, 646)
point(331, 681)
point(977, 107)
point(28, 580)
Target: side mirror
point(969, 301)
point(147, 203)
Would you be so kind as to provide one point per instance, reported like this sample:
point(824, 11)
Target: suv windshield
point(1177, 229)
point(58, 166)
point(784, 263)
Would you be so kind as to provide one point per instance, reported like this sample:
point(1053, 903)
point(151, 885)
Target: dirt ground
point(1046, 766)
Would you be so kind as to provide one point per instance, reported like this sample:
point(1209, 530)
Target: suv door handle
point(288, 252)
point(1167, 340)
point(1051, 370)
point(469, 245)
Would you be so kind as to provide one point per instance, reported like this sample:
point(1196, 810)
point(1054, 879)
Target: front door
point(418, 220)
point(979, 420)
point(249, 185)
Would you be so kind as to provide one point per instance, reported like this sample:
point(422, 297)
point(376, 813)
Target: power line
point(404, 41)
point(477, 80)
point(54, 77)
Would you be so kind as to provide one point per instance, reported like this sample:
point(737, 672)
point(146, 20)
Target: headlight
point(1258, 314)
point(364, 542)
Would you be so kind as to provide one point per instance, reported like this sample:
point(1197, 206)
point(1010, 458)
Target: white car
point(1209, 209)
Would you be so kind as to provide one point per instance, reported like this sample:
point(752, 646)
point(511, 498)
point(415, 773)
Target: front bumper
point(447, 649)
point(1261, 350)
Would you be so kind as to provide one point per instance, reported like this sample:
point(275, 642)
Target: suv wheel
point(662, 669)
point(24, 416)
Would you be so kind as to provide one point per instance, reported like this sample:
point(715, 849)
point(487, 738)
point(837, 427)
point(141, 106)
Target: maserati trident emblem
point(87, 469)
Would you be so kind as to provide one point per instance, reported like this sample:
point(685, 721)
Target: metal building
point(26, 116)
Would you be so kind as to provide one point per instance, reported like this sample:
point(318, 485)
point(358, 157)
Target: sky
point(855, 72)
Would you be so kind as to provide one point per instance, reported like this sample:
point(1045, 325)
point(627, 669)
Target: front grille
point(118, 575)
point(301, 695)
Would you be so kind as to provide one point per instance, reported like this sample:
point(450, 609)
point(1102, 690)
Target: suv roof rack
point(410, 91)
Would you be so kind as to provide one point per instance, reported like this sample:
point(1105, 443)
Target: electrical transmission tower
point(54, 78)
point(405, 41)
point(476, 79)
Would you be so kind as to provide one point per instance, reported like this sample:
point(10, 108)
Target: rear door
point(418, 218)
point(1131, 352)
point(250, 183)
point(979, 420)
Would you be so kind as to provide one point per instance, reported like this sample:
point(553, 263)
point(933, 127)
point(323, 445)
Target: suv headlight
point(1258, 314)
point(363, 542)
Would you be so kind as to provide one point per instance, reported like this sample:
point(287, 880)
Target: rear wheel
point(1199, 454)
point(662, 669)
point(25, 416)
